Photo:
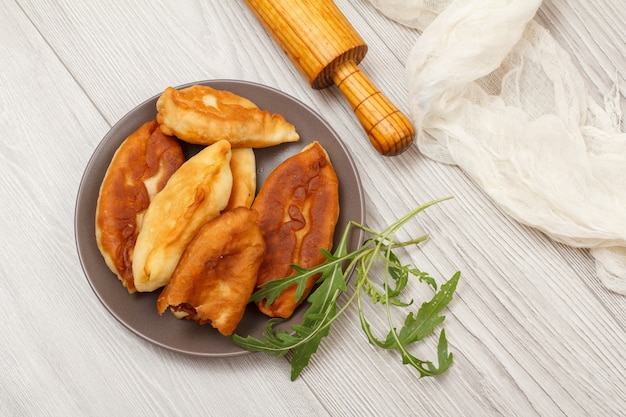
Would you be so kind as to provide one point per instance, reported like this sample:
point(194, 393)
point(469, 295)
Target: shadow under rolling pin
point(323, 45)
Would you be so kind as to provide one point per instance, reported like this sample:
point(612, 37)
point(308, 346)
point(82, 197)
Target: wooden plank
point(532, 330)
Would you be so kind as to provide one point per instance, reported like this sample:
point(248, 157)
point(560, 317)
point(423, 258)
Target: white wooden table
point(532, 330)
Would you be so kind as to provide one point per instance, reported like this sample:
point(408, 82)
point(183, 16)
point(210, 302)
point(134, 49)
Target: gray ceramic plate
point(138, 311)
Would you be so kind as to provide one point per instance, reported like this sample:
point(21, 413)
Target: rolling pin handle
point(388, 129)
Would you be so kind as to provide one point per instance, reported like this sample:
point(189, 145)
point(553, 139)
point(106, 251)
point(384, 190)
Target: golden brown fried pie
point(217, 273)
point(298, 208)
point(203, 115)
point(196, 193)
point(139, 169)
point(243, 168)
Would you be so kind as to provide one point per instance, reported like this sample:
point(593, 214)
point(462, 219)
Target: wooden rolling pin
point(324, 46)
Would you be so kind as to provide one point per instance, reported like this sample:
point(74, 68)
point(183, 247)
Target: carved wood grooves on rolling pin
point(386, 126)
point(324, 46)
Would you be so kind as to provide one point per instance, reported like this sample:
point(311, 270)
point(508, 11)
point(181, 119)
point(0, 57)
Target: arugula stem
point(323, 308)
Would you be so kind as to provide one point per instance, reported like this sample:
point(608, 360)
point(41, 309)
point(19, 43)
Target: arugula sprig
point(304, 339)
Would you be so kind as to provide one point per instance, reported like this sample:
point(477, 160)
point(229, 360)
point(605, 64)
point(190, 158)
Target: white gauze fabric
point(491, 91)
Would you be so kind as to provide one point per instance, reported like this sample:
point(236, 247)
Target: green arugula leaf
point(417, 327)
point(304, 339)
point(428, 316)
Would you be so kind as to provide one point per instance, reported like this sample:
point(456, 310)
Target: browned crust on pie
point(203, 115)
point(243, 168)
point(217, 273)
point(298, 208)
point(140, 167)
point(196, 193)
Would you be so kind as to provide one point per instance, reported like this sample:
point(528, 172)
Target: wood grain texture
point(324, 46)
point(533, 331)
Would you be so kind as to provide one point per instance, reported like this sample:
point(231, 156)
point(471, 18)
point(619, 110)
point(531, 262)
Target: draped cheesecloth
point(491, 91)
